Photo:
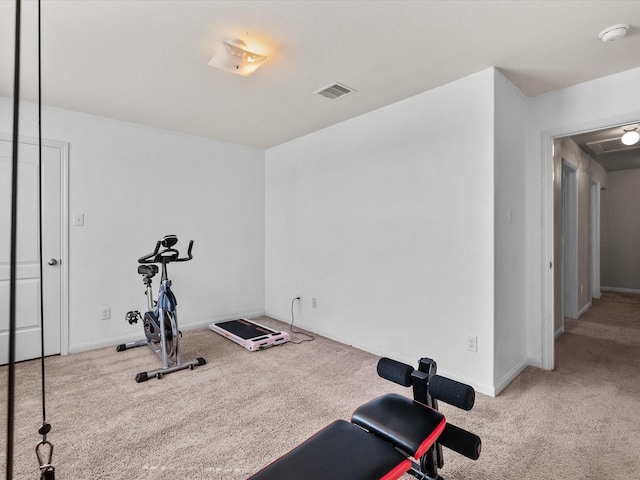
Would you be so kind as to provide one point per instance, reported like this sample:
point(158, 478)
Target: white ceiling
point(146, 61)
point(606, 148)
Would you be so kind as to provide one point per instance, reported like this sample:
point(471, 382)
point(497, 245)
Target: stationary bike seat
point(148, 270)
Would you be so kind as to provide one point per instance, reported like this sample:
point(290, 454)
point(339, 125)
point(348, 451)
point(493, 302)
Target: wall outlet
point(314, 302)
point(105, 313)
point(472, 343)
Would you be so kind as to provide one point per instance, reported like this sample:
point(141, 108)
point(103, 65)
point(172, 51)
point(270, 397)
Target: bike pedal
point(133, 317)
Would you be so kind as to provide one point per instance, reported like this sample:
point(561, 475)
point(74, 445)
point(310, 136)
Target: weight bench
point(388, 436)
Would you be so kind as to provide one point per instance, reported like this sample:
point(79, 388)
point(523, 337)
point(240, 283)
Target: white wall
point(510, 235)
point(135, 184)
point(621, 259)
point(388, 220)
point(604, 102)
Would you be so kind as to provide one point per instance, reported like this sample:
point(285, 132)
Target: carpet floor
point(234, 415)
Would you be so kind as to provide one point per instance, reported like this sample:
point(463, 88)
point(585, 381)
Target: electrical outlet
point(314, 302)
point(472, 343)
point(105, 313)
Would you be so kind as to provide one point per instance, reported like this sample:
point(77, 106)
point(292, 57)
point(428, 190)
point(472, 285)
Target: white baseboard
point(584, 309)
point(355, 343)
point(205, 323)
point(535, 362)
point(106, 342)
point(480, 388)
point(509, 377)
point(559, 332)
point(138, 333)
point(620, 290)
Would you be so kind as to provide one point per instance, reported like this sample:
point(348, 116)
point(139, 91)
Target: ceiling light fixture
point(630, 137)
point(234, 57)
point(614, 32)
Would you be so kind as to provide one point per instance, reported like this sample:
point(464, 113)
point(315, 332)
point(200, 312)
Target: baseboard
point(381, 352)
point(559, 332)
point(584, 309)
point(535, 362)
point(478, 387)
point(106, 342)
point(205, 323)
point(510, 376)
point(282, 319)
point(138, 333)
point(620, 290)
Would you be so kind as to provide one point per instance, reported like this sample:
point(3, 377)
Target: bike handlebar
point(167, 255)
point(189, 256)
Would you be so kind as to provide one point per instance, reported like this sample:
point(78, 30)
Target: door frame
point(64, 229)
point(569, 240)
point(548, 136)
point(594, 244)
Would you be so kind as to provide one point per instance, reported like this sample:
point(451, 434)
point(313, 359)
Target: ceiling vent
point(608, 145)
point(335, 91)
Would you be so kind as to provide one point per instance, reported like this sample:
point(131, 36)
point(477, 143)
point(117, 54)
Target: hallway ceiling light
point(630, 137)
point(235, 58)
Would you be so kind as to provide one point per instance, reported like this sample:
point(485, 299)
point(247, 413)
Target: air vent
point(335, 91)
point(600, 147)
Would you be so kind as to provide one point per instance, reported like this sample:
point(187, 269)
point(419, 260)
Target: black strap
point(42, 366)
point(48, 473)
point(12, 280)
point(45, 427)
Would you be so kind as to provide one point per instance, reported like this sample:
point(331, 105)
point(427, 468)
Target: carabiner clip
point(40, 446)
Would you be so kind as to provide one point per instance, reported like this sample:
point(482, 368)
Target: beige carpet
point(227, 419)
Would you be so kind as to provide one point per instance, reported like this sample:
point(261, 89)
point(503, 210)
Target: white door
point(595, 239)
point(28, 279)
point(570, 240)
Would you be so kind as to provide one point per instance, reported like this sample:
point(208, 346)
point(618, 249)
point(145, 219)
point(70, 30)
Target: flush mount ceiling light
point(614, 32)
point(234, 57)
point(630, 137)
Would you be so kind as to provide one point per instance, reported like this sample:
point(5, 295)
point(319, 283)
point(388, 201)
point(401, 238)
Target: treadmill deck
point(251, 335)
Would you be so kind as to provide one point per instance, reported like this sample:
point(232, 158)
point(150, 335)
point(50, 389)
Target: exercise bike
point(161, 320)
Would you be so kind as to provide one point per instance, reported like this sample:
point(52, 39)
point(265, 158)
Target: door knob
point(53, 261)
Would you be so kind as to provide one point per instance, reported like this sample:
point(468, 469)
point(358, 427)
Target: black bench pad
point(340, 451)
point(410, 426)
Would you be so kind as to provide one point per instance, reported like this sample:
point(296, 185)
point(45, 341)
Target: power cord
point(310, 338)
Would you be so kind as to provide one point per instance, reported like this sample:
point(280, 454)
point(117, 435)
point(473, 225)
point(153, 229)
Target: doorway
point(594, 237)
point(54, 247)
point(569, 243)
point(551, 264)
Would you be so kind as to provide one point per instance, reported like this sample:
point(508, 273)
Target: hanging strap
point(46, 469)
point(12, 280)
point(42, 366)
